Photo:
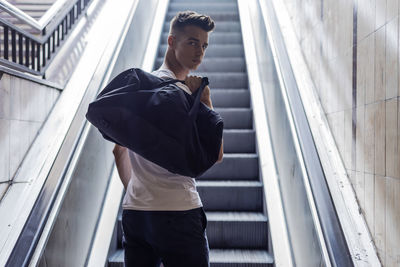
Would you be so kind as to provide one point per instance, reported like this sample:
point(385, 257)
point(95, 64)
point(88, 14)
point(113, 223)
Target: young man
point(163, 217)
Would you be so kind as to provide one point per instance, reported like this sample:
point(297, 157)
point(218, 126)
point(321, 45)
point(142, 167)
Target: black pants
point(175, 238)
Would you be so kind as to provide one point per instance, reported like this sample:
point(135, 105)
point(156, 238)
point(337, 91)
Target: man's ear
point(171, 41)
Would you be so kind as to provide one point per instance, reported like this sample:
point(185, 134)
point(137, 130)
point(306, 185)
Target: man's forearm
point(208, 103)
point(123, 164)
point(221, 152)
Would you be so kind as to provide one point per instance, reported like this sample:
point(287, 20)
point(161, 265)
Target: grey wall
point(24, 106)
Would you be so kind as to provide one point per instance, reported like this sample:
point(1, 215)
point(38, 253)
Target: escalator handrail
point(333, 236)
point(278, 231)
point(36, 222)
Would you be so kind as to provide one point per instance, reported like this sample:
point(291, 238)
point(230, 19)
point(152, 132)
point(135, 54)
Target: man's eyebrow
point(195, 39)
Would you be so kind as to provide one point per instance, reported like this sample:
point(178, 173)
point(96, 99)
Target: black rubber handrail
point(335, 241)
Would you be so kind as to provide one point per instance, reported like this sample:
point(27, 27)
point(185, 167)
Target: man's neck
point(172, 64)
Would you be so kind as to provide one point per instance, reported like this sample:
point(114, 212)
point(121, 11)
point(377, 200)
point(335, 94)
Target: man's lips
point(196, 60)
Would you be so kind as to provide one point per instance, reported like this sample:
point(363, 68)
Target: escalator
point(267, 203)
point(231, 191)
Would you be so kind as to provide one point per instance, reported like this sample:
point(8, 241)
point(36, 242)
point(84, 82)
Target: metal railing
point(44, 20)
point(27, 52)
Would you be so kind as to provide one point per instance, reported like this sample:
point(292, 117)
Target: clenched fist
point(194, 82)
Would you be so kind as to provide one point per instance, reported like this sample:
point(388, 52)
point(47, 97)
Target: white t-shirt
point(152, 187)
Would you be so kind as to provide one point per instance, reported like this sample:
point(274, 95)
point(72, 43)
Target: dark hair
point(188, 17)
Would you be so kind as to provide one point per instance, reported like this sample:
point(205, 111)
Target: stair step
point(214, 50)
point(221, 26)
point(234, 167)
point(240, 258)
point(215, 38)
point(33, 7)
point(201, 7)
point(225, 79)
point(218, 258)
point(230, 229)
point(237, 230)
point(239, 141)
point(221, 64)
point(14, 20)
point(218, 64)
point(224, 50)
point(36, 2)
point(36, 14)
point(215, 15)
point(228, 216)
point(231, 195)
point(236, 118)
point(204, 1)
point(228, 98)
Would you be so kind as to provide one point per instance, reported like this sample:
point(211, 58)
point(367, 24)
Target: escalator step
point(202, 7)
point(215, 38)
point(219, 258)
point(204, 1)
point(239, 141)
point(216, 16)
point(215, 50)
point(231, 195)
point(222, 64)
point(221, 26)
point(218, 64)
point(240, 258)
point(237, 230)
point(229, 98)
point(226, 79)
point(234, 167)
point(231, 229)
point(236, 118)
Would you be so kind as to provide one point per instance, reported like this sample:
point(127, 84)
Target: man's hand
point(194, 82)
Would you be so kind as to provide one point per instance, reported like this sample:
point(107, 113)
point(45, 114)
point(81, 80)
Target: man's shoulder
point(164, 73)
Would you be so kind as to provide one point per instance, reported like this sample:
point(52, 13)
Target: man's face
point(189, 46)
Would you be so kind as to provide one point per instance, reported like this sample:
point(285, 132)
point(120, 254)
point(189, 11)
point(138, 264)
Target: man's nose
point(201, 51)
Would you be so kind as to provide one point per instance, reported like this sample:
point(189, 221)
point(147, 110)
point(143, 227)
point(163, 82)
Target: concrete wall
point(352, 51)
point(24, 106)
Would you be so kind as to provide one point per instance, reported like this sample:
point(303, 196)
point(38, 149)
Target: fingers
point(193, 82)
point(194, 77)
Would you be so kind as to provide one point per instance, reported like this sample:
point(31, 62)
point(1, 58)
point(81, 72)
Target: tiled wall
point(352, 51)
point(24, 106)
